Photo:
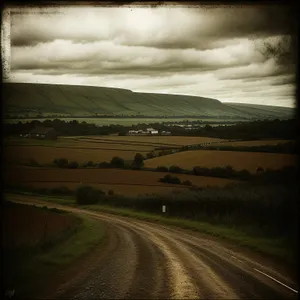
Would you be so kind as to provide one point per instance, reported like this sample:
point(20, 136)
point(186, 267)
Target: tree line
point(282, 129)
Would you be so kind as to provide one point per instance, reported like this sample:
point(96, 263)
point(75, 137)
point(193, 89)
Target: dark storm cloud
point(212, 52)
point(199, 28)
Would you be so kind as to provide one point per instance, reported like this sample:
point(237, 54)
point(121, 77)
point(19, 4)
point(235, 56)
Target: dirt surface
point(213, 158)
point(146, 260)
point(125, 182)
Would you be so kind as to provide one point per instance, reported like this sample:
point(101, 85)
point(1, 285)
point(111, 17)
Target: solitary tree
point(138, 161)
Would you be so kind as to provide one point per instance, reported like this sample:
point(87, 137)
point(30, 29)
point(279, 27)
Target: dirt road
point(151, 261)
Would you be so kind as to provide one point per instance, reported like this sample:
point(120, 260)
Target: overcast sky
point(205, 51)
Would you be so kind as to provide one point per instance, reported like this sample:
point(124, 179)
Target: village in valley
point(148, 131)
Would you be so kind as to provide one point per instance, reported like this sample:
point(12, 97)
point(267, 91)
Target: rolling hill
point(21, 99)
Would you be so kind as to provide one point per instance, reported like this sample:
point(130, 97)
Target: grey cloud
point(202, 28)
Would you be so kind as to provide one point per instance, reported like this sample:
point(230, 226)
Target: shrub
point(117, 162)
point(87, 195)
point(61, 162)
point(73, 165)
point(170, 179)
point(150, 155)
point(187, 182)
point(104, 164)
point(244, 174)
point(175, 169)
point(162, 169)
point(90, 164)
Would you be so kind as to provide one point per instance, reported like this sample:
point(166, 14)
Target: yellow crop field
point(133, 182)
point(213, 158)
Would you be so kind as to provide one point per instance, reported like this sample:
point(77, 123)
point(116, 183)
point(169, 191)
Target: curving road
point(146, 260)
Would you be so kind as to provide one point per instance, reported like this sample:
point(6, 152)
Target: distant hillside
point(29, 99)
point(263, 111)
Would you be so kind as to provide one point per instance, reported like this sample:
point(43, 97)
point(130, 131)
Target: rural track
point(143, 260)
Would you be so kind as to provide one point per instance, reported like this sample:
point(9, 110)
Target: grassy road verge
point(38, 267)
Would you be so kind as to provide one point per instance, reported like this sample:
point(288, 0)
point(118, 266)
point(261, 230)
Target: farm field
point(97, 149)
point(45, 155)
point(25, 225)
point(214, 158)
point(166, 140)
point(81, 143)
point(127, 182)
point(253, 143)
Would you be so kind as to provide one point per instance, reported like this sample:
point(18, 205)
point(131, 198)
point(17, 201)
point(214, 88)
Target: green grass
point(88, 101)
point(268, 246)
point(38, 268)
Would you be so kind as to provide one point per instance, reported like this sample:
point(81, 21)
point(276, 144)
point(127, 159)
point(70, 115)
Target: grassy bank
point(37, 264)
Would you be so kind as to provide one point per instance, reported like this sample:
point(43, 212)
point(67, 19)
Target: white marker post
point(164, 208)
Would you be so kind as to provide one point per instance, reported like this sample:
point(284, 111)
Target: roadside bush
point(61, 162)
point(162, 169)
point(117, 162)
point(170, 179)
point(73, 165)
point(87, 195)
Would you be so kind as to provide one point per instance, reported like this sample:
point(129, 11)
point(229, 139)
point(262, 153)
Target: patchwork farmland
point(213, 158)
point(97, 149)
point(129, 182)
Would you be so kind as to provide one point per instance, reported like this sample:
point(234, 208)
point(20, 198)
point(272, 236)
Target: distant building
point(152, 131)
point(165, 133)
point(45, 133)
point(148, 131)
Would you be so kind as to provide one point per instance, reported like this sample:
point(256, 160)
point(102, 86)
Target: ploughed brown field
point(24, 225)
point(213, 158)
point(127, 182)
